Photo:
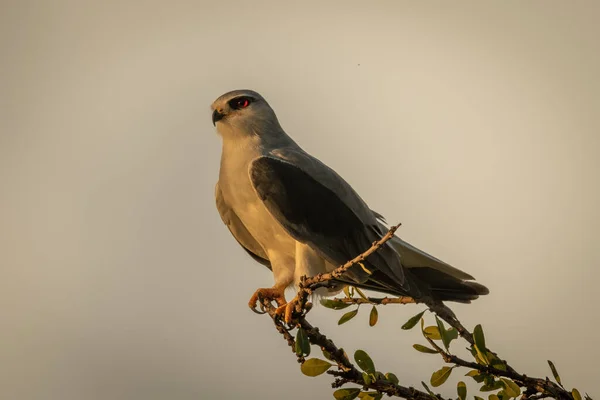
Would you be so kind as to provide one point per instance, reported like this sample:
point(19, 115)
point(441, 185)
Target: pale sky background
point(475, 124)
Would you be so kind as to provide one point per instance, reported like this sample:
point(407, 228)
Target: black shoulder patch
point(299, 202)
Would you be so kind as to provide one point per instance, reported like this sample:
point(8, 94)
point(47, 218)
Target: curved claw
point(257, 312)
point(252, 304)
point(268, 294)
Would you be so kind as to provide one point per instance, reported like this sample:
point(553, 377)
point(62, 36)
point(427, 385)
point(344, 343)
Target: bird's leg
point(275, 293)
point(283, 272)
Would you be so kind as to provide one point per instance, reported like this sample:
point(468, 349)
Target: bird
point(298, 217)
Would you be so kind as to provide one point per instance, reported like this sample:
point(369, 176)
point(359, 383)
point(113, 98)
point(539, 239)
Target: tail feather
point(447, 287)
point(426, 277)
point(442, 280)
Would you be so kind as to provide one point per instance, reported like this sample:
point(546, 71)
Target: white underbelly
point(281, 249)
point(262, 225)
point(290, 259)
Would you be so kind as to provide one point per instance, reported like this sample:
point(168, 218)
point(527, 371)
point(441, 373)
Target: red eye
point(240, 102)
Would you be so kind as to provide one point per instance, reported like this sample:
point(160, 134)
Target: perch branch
point(348, 373)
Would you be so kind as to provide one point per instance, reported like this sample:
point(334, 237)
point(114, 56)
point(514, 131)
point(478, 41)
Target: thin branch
point(536, 388)
point(376, 300)
point(314, 281)
point(347, 372)
point(309, 285)
point(545, 387)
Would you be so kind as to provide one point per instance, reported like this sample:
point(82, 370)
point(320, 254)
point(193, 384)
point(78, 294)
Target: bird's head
point(243, 111)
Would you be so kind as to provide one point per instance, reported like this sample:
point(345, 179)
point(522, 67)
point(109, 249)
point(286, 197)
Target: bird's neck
point(255, 139)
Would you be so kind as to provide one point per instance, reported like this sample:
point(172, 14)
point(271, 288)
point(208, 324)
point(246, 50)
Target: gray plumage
point(295, 215)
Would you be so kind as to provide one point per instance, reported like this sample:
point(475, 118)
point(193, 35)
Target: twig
point(545, 387)
point(347, 372)
point(309, 285)
point(313, 282)
point(376, 300)
point(536, 388)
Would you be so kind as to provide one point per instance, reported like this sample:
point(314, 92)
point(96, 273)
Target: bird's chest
point(240, 195)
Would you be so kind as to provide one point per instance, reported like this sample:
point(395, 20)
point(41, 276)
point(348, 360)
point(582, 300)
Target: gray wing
point(239, 231)
point(317, 207)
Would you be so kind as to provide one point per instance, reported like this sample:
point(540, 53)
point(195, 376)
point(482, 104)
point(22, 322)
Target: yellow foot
point(270, 294)
point(287, 310)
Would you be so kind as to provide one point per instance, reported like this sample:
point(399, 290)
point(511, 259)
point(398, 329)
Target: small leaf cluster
point(504, 387)
point(315, 367)
point(369, 375)
point(497, 379)
point(337, 304)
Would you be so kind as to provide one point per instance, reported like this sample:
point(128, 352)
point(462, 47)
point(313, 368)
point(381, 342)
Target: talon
point(287, 310)
point(269, 294)
point(257, 312)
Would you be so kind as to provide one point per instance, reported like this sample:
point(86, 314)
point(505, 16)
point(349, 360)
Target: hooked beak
point(216, 117)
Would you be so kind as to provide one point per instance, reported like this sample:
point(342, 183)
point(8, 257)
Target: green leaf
point(495, 361)
point(371, 396)
point(361, 294)
point(367, 378)
point(502, 395)
point(428, 390)
point(554, 372)
point(348, 316)
point(373, 316)
point(394, 379)
point(327, 355)
point(479, 338)
point(424, 349)
point(479, 347)
point(413, 321)
point(452, 334)
point(302, 343)
point(472, 351)
point(493, 397)
point(364, 361)
point(476, 375)
point(346, 394)
point(442, 329)
point(477, 398)
point(334, 304)
point(576, 394)
point(511, 388)
point(347, 291)
point(494, 386)
point(432, 332)
point(440, 376)
point(480, 356)
point(461, 389)
point(314, 367)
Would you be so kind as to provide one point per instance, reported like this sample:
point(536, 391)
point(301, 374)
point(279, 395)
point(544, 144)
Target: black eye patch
point(240, 102)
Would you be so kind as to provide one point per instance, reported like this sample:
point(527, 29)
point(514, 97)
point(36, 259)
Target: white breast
point(239, 194)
